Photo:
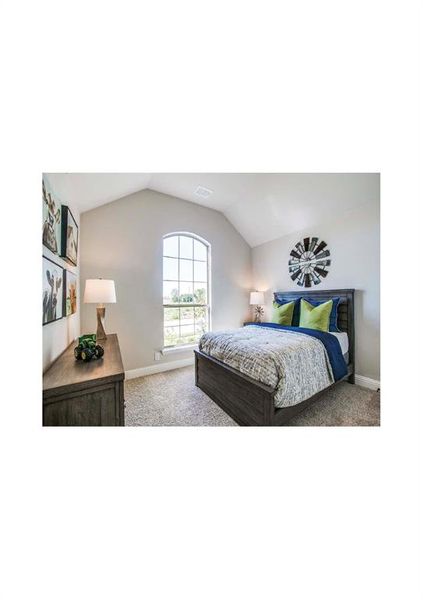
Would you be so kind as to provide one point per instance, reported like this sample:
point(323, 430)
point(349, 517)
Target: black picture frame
point(69, 245)
point(52, 224)
point(50, 303)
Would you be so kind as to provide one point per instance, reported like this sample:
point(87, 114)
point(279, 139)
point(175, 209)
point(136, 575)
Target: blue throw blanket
point(330, 342)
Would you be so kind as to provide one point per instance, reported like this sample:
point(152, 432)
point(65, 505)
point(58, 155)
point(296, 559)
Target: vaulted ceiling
point(261, 206)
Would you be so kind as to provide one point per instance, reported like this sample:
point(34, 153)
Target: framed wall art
point(51, 219)
point(69, 236)
point(52, 291)
point(70, 296)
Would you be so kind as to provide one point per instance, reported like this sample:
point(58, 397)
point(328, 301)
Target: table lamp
point(100, 292)
point(256, 299)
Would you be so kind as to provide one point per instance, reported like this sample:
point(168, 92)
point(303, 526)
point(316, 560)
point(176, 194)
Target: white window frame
point(208, 284)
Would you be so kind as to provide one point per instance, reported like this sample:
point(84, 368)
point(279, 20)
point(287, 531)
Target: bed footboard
point(247, 401)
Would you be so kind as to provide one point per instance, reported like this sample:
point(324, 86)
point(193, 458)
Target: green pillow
point(315, 317)
point(282, 313)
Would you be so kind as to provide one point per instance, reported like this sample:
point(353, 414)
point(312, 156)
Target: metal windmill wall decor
point(309, 262)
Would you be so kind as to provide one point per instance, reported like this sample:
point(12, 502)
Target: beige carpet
point(171, 399)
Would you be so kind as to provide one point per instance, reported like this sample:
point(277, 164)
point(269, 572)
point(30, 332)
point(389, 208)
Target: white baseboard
point(159, 368)
point(366, 382)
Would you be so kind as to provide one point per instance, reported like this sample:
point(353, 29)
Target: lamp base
point(258, 313)
point(101, 314)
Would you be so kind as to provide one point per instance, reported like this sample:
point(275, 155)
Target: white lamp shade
point(256, 298)
point(100, 291)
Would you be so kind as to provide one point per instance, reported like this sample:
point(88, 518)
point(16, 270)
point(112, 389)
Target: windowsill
point(177, 349)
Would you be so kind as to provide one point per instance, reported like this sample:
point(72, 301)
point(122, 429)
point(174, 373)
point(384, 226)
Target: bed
point(251, 402)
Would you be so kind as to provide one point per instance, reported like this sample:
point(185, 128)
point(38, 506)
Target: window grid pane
point(170, 246)
point(186, 245)
point(185, 269)
point(200, 251)
point(170, 269)
point(170, 292)
point(200, 293)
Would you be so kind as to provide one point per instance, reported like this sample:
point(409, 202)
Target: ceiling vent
point(203, 192)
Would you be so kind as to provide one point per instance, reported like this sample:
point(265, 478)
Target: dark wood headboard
point(345, 310)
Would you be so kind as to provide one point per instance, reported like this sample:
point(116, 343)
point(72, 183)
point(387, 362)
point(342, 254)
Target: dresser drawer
point(99, 406)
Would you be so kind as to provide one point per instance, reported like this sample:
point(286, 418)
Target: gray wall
point(354, 244)
point(58, 335)
point(123, 241)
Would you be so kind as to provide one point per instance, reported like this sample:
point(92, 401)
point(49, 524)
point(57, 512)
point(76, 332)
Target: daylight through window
point(186, 302)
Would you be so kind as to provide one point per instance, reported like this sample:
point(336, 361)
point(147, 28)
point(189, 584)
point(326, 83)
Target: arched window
point(186, 288)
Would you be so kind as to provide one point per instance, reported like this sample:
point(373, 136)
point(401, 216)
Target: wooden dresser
point(78, 393)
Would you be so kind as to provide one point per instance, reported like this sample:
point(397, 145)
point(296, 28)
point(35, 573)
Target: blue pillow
point(280, 299)
point(333, 318)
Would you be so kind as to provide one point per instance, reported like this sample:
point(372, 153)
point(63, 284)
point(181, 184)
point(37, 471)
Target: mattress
point(342, 338)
